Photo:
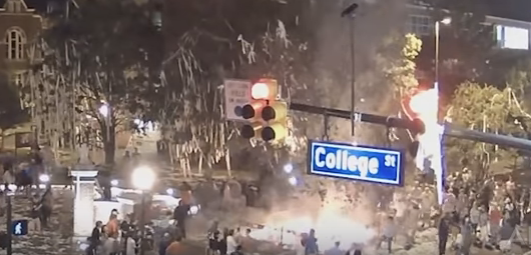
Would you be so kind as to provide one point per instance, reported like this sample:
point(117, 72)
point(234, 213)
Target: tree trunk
point(3, 140)
point(227, 162)
point(200, 165)
point(109, 144)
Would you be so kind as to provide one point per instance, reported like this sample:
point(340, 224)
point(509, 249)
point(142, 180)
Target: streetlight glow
point(114, 183)
point(143, 177)
point(446, 21)
point(288, 168)
point(104, 110)
point(169, 192)
point(292, 180)
point(44, 178)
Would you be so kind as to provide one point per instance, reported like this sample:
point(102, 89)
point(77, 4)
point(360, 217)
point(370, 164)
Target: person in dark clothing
point(443, 230)
point(179, 215)
point(239, 251)
point(94, 239)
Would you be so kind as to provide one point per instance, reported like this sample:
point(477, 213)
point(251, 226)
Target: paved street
point(50, 241)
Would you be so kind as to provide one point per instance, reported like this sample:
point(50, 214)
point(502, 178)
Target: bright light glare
point(288, 168)
point(446, 21)
point(169, 192)
point(292, 180)
point(114, 182)
point(104, 110)
point(425, 104)
point(44, 178)
point(194, 209)
point(143, 177)
point(350, 232)
point(260, 91)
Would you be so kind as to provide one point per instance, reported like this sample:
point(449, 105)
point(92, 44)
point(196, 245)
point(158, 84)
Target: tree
point(108, 52)
point(229, 43)
point(487, 109)
point(11, 111)
point(466, 45)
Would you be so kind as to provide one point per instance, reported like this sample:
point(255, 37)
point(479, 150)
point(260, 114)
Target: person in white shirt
point(231, 242)
point(389, 232)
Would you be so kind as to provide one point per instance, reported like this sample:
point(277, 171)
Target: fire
point(330, 226)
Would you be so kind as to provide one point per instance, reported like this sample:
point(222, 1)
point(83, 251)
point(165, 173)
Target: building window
point(18, 79)
point(512, 37)
point(420, 24)
point(15, 41)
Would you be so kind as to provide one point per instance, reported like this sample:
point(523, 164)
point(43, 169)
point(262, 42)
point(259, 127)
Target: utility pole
point(9, 222)
point(349, 12)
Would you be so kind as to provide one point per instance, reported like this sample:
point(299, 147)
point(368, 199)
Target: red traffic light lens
point(260, 91)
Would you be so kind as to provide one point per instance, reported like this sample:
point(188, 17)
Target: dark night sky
point(512, 9)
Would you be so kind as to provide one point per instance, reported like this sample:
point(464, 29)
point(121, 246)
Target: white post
point(85, 177)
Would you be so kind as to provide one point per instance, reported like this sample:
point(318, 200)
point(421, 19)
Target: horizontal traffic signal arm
point(449, 130)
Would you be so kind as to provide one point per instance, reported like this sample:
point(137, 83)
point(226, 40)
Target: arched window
point(15, 41)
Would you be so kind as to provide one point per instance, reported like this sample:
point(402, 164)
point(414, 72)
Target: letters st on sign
point(359, 163)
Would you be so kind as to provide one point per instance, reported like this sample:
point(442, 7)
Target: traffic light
point(266, 113)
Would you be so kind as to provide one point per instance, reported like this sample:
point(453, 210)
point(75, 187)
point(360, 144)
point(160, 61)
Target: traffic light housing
point(267, 115)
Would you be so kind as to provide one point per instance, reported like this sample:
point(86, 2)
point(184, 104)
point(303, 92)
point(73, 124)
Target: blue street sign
point(360, 163)
point(20, 227)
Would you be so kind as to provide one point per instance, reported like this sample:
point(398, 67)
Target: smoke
point(376, 24)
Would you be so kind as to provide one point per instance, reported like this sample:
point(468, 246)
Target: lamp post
point(143, 178)
point(350, 12)
point(445, 21)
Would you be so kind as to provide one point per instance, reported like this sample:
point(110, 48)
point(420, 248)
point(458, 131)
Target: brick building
point(20, 26)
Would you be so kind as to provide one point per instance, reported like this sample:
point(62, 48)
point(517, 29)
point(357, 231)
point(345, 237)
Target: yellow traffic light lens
point(260, 91)
point(268, 113)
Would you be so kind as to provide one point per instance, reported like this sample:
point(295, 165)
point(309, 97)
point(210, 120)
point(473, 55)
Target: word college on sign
point(370, 164)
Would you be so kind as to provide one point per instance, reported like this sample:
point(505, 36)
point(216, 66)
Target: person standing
point(467, 235)
point(310, 244)
point(95, 239)
point(389, 232)
point(335, 250)
point(231, 242)
point(35, 222)
point(443, 232)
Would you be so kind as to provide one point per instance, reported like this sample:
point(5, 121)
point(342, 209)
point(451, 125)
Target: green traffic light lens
point(268, 134)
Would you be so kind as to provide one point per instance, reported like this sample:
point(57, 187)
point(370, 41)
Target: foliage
point(401, 71)
point(108, 51)
point(11, 112)
point(465, 45)
point(230, 44)
point(487, 109)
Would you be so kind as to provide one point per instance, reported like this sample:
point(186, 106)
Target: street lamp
point(44, 178)
point(445, 21)
point(143, 178)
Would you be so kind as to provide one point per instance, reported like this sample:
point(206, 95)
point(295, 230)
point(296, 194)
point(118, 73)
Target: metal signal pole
point(350, 13)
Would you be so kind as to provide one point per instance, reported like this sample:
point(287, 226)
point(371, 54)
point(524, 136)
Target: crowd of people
point(489, 214)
